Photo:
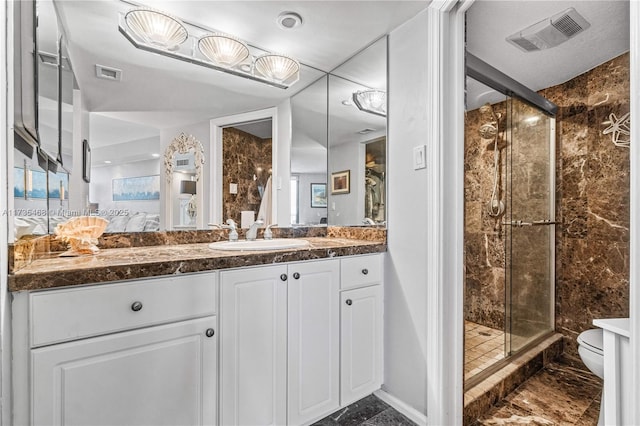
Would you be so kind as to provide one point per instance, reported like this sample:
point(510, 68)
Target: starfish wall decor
point(619, 129)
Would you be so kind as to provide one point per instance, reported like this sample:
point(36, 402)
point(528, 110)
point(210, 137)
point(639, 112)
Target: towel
point(264, 213)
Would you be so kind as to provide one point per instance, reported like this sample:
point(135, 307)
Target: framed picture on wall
point(86, 161)
point(318, 195)
point(340, 182)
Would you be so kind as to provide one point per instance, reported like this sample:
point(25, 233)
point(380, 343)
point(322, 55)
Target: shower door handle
point(521, 223)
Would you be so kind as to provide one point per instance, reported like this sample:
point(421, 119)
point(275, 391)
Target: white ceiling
point(489, 22)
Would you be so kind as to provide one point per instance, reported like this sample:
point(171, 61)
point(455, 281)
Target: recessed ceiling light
point(107, 161)
point(347, 102)
point(289, 20)
point(155, 155)
point(366, 131)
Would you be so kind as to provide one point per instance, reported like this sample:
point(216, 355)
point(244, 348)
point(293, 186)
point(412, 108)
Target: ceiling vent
point(107, 73)
point(366, 131)
point(550, 32)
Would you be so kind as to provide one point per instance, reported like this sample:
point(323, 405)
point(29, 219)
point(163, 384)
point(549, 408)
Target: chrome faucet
point(368, 221)
point(231, 225)
point(252, 232)
point(267, 232)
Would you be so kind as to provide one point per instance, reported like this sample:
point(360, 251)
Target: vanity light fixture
point(156, 27)
point(159, 32)
point(277, 67)
point(372, 101)
point(223, 49)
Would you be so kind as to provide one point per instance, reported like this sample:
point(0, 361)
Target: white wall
point(101, 189)
point(78, 188)
point(307, 214)
point(347, 209)
point(405, 267)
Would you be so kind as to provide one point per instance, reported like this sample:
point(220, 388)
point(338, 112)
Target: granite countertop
point(138, 262)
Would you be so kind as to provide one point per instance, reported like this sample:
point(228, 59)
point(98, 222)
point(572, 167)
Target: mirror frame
point(183, 144)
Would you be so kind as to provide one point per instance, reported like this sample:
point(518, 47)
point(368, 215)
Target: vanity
point(281, 337)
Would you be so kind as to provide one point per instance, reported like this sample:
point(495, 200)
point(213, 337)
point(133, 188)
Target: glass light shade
point(223, 49)
point(277, 67)
point(156, 28)
point(373, 101)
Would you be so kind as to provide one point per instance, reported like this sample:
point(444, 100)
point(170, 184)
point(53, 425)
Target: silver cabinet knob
point(210, 332)
point(349, 302)
point(296, 275)
point(283, 277)
point(365, 271)
point(136, 306)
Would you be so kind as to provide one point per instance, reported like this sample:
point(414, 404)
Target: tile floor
point(557, 395)
point(369, 411)
point(483, 346)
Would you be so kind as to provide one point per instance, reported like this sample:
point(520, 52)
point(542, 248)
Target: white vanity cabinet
point(132, 353)
point(253, 346)
point(361, 315)
point(294, 347)
point(314, 340)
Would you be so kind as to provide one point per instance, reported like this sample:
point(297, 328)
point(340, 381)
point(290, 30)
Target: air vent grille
point(550, 32)
point(567, 26)
point(182, 163)
point(108, 73)
point(525, 44)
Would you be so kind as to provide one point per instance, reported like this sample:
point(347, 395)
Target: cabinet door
point(314, 353)
point(361, 342)
point(163, 375)
point(253, 314)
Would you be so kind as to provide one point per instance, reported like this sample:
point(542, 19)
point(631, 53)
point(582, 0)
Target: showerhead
point(488, 131)
point(486, 109)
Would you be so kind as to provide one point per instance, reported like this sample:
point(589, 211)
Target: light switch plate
point(233, 188)
point(419, 157)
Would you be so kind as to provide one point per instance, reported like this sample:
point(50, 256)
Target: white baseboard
point(410, 412)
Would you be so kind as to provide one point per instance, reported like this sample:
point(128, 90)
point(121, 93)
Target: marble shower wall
point(592, 244)
point(484, 301)
point(244, 156)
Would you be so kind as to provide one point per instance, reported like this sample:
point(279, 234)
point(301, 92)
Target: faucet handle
point(267, 232)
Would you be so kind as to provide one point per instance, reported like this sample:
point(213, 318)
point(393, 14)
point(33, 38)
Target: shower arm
point(520, 223)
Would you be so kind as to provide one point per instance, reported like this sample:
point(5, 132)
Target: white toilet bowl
point(590, 350)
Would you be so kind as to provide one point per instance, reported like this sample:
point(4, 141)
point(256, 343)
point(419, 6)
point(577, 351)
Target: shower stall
point(509, 220)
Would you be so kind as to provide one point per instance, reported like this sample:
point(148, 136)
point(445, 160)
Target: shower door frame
point(488, 75)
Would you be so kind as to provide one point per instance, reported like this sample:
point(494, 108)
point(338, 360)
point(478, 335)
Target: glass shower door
point(529, 224)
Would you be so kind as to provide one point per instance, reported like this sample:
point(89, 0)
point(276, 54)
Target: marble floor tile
point(356, 413)
point(388, 417)
point(557, 395)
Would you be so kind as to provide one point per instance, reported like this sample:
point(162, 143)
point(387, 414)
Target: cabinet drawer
point(360, 270)
point(74, 313)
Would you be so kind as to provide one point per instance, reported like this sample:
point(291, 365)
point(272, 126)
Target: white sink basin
point(275, 244)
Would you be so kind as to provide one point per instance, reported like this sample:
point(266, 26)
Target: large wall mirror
point(357, 139)
point(121, 107)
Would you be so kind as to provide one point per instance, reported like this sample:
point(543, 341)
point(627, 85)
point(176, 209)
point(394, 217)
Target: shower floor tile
point(483, 346)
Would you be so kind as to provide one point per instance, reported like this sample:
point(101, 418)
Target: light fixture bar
point(193, 59)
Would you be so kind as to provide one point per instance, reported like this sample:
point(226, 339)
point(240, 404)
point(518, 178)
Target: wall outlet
point(420, 157)
point(233, 188)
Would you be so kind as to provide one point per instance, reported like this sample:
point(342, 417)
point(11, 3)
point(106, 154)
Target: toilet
point(590, 350)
